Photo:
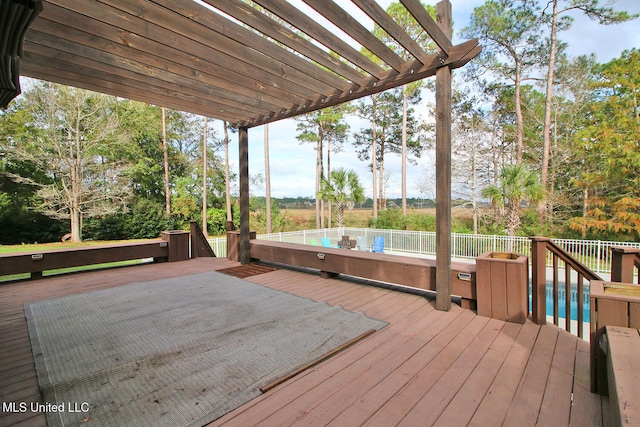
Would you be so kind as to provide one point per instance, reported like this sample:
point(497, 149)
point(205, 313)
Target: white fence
point(595, 254)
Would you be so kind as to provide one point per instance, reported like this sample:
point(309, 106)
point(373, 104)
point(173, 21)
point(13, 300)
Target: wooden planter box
point(612, 304)
point(502, 281)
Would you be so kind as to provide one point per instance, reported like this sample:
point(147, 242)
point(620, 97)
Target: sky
point(292, 164)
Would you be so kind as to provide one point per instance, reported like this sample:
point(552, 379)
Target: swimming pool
point(562, 299)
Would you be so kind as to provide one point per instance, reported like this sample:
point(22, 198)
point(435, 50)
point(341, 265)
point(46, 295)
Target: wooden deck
point(426, 367)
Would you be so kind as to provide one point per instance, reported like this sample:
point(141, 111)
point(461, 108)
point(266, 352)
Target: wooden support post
point(539, 280)
point(245, 256)
point(443, 169)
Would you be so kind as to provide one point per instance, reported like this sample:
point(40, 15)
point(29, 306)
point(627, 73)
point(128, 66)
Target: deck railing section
point(625, 264)
point(576, 275)
point(595, 254)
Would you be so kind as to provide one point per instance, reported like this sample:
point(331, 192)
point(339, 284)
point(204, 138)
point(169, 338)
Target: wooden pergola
point(249, 65)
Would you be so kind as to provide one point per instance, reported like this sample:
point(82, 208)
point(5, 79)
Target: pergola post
point(443, 169)
point(243, 141)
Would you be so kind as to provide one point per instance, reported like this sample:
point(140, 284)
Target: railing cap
point(625, 250)
point(540, 239)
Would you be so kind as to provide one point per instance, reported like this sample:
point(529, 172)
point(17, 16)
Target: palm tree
point(343, 189)
point(517, 184)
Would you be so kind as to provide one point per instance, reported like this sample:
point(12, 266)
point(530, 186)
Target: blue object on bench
point(326, 242)
point(378, 244)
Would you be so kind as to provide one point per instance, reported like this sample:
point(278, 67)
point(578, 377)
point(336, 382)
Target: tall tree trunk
point(167, 196)
point(267, 177)
point(474, 183)
point(319, 219)
point(519, 117)
point(374, 155)
point(76, 229)
point(329, 214)
point(340, 214)
point(546, 142)
point(513, 218)
point(553, 171)
point(204, 179)
point(381, 189)
point(76, 188)
point(227, 173)
point(585, 211)
point(404, 150)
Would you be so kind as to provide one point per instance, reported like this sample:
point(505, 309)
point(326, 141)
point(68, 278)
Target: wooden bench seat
point(397, 269)
point(38, 261)
point(623, 375)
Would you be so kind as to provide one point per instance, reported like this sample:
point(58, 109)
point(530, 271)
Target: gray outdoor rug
point(176, 352)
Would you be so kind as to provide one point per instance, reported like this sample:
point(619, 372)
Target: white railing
point(595, 254)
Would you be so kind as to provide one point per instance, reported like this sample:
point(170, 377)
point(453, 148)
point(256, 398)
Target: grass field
point(301, 219)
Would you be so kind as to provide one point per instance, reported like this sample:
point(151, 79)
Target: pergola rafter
point(227, 59)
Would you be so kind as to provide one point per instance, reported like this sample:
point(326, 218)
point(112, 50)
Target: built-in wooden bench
point(623, 375)
point(174, 246)
point(397, 269)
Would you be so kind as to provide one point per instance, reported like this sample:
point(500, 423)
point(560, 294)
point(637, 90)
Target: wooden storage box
point(502, 281)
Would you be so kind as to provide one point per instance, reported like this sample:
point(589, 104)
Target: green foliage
point(390, 219)
point(343, 189)
point(517, 185)
point(146, 220)
point(421, 222)
point(609, 159)
point(217, 221)
point(387, 109)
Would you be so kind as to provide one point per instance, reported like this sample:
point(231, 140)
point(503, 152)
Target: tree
point(408, 23)
point(509, 31)
point(471, 131)
point(386, 136)
point(604, 15)
point(19, 222)
point(570, 112)
point(326, 126)
point(165, 150)
point(76, 145)
point(227, 177)
point(344, 189)
point(517, 184)
point(204, 178)
point(267, 177)
point(611, 142)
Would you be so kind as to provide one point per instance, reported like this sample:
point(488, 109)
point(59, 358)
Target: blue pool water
point(561, 303)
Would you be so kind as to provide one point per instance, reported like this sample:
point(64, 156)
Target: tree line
point(551, 141)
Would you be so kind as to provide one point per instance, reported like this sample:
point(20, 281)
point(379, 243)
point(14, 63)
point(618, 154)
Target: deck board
point(464, 404)
point(526, 403)
point(427, 367)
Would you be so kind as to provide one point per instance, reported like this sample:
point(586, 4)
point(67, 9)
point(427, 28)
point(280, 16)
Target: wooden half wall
point(396, 269)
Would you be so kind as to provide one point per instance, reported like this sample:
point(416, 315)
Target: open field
point(356, 217)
